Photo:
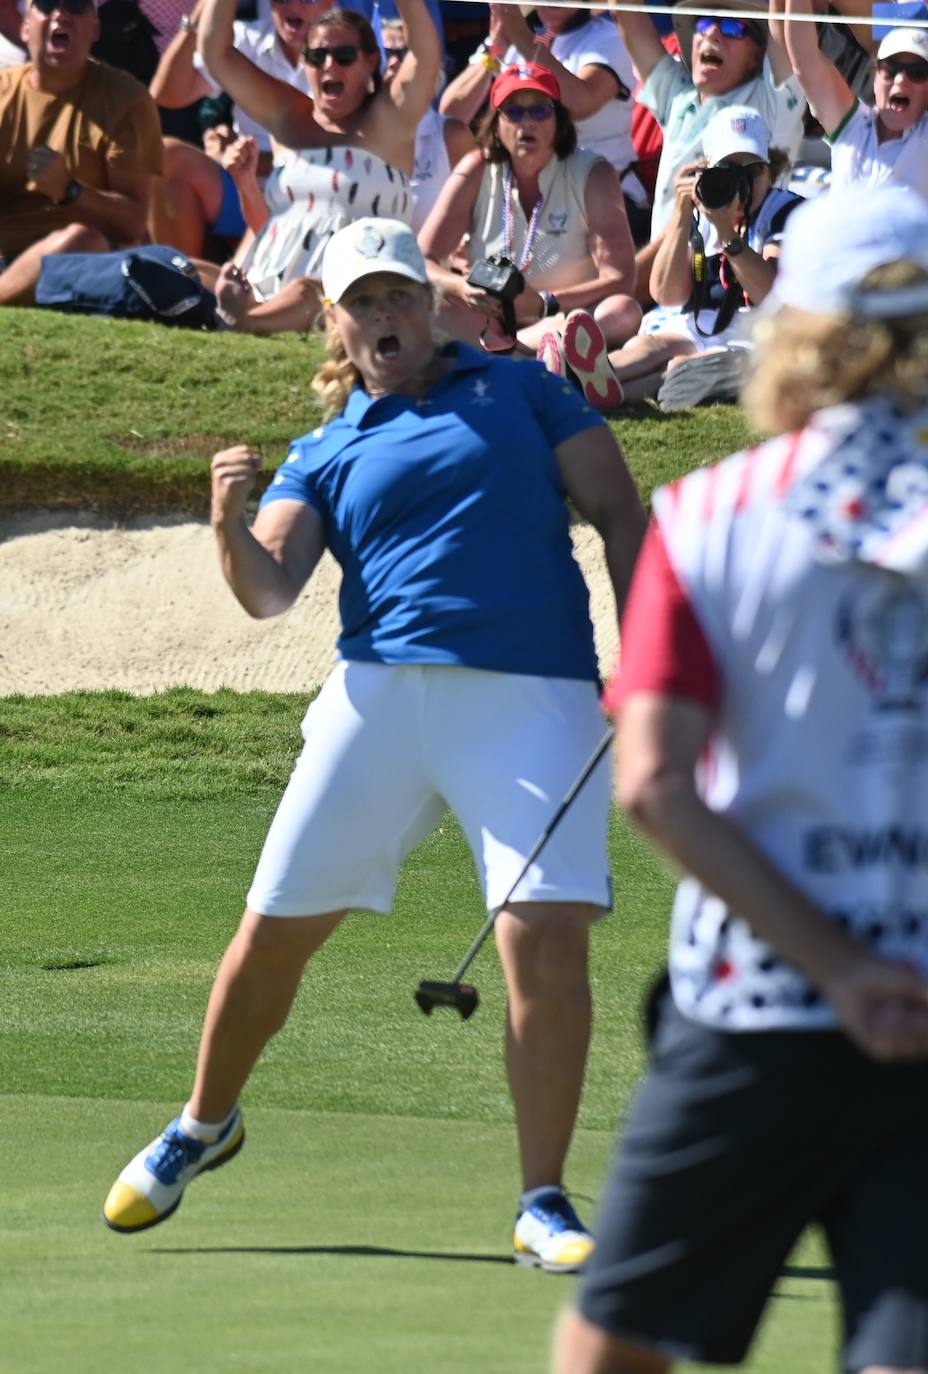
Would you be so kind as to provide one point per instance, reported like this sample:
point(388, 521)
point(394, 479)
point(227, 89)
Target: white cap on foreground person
point(834, 242)
point(772, 704)
point(368, 246)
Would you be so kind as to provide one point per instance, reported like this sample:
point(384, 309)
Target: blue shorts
point(230, 222)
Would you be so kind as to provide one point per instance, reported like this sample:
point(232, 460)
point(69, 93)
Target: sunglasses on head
point(728, 28)
point(536, 113)
point(71, 6)
point(915, 69)
point(344, 54)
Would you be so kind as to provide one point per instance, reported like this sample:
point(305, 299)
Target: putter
point(463, 996)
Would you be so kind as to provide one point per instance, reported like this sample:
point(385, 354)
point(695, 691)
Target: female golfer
point(776, 649)
point(468, 679)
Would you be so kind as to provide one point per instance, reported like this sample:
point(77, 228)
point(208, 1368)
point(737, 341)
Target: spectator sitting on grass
point(714, 261)
point(351, 154)
point(553, 210)
point(81, 144)
point(588, 59)
point(441, 141)
point(724, 61)
point(886, 143)
point(198, 196)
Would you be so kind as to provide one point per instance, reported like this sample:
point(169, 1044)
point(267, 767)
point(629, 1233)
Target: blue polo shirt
point(447, 517)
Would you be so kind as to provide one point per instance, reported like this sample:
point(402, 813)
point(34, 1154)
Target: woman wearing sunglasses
point(352, 144)
point(556, 212)
point(886, 143)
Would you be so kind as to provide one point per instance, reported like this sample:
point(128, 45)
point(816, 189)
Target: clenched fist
point(233, 477)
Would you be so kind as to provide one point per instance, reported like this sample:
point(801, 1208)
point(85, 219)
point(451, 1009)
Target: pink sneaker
point(550, 351)
point(588, 359)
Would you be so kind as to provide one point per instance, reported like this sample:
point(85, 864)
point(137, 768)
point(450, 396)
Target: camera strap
point(733, 298)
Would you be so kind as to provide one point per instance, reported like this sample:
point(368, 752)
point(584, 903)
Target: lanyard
point(507, 222)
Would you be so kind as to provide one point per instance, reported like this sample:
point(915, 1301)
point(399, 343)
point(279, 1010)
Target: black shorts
point(736, 1143)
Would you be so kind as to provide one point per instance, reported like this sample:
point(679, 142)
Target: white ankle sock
point(533, 1194)
point(209, 1131)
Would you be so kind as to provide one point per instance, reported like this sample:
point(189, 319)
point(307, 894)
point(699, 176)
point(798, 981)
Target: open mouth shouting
point(387, 347)
point(899, 102)
point(59, 40)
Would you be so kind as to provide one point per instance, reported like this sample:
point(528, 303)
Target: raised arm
point(412, 89)
point(582, 93)
point(777, 54)
point(285, 112)
point(464, 96)
point(268, 565)
point(176, 81)
point(825, 88)
point(641, 39)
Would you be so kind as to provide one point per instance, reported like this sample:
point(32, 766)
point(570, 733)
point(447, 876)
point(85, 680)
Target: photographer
point(555, 212)
point(718, 256)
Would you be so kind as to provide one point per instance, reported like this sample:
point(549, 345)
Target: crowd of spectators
point(569, 141)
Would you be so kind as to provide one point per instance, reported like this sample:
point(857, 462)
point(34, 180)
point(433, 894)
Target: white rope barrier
point(874, 21)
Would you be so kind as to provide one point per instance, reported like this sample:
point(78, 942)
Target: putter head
point(461, 996)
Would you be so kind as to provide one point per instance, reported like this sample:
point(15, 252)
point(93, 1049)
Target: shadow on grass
point(366, 1251)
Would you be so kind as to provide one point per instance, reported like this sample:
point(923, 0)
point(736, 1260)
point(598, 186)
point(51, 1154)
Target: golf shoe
point(152, 1184)
point(550, 1235)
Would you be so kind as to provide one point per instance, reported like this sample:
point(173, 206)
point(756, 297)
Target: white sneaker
point(152, 1184)
point(549, 1235)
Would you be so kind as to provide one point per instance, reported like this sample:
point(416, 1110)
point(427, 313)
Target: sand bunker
point(87, 604)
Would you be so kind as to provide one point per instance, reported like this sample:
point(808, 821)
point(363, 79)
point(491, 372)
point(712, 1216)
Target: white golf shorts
point(389, 748)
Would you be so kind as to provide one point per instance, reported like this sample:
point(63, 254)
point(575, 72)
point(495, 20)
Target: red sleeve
point(663, 648)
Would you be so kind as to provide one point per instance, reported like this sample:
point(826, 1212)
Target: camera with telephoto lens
point(501, 278)
point(719, 186)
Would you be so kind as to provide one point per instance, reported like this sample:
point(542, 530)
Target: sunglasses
point(344, 54)
point(71, 6)
point(916, 71)
point(536, 113)
point(728, 28)
point(398, 53)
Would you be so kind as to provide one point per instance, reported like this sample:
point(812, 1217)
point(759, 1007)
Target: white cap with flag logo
point(367, 246)
point(736, 129)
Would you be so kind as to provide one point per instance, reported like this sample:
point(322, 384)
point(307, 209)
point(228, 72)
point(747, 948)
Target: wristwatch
point(187, 24)
point(71, 192)
point(550, 305)
point(731, 250)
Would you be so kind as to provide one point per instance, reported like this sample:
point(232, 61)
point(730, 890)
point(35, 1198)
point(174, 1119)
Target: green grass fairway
point(334, 1242)
point(366, 1226)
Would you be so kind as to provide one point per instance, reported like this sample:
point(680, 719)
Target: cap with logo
point(833, 242)
point(736, 129)
point(367, 246)
point(899, 41)
point(528, 76)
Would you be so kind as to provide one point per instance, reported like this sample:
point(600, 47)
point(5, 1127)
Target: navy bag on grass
point(153, 282)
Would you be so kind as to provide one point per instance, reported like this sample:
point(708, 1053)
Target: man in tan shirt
point(81, 144)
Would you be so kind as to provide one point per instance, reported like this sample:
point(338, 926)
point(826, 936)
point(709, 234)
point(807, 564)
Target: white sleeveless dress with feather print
point(312, 193)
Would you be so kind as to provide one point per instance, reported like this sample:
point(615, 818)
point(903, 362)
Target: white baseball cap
point(735, 129)
point(832, 242)
point(367, 246)
point(897, 41)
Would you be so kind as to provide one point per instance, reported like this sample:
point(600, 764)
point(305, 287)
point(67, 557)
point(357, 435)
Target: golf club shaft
point(536, 849)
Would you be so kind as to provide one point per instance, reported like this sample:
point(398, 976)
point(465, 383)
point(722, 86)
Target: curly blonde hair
point(337, 377)
point(804, 362)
